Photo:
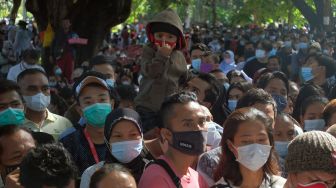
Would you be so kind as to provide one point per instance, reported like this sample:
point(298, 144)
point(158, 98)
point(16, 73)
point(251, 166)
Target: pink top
point(155, 176)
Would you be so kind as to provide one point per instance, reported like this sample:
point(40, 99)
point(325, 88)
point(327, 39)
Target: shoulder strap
point(170, 172)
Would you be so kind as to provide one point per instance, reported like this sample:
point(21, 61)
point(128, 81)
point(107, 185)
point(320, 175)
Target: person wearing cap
point(162, 65)
point(124, 144)
point(34, 86)
point(86, 144)
point(311, 160)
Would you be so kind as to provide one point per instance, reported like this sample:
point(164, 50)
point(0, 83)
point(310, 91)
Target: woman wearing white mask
point(311, 117)
point(124, 144)
point(248, 158)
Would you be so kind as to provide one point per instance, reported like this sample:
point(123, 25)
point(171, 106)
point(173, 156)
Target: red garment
point(67, 65)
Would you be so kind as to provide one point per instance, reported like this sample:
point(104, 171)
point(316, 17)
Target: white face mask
point(315, 124)
point(253, 156)
point(38, 102)
point(126, 151)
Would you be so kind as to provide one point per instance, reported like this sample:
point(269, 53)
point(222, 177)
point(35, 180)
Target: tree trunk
point(214, 12)
point(90, 19)
point(15, 9)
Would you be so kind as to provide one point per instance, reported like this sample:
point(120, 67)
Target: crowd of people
point(165, 106)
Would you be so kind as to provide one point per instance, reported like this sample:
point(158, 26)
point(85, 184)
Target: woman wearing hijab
point(124, 143)
point(228, 62)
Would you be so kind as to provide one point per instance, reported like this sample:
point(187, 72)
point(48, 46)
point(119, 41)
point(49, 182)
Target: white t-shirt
point(17, 69)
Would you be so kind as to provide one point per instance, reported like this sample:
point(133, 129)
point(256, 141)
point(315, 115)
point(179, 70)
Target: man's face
point(105, 69)
point(34, 83)
point(10, 99)
point(196, 54)
point(188, 117)
point(15, 147)
point(199, 87)
point(91, 95)
point(273, 64)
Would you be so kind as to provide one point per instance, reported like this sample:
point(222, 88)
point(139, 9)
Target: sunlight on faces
point(15, 147)
point(312, 176)
point(268, 109)
point(116, 180)
point(276, 86)
point(93, 94)
point(125, 130)
point(235, 94)
point(34, 83)
point(314, 111)
point(249, 132)
point(10, 99)
point(283, 129)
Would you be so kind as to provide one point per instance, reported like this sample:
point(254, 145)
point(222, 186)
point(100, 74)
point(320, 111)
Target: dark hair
point(100, 60)
point(228, 166)
point(59, 102)
point(267, 77)
point(325, 61)
point(30, 53)
point(306, 91)
point(8, 85)
point(266, 45)
point(30, 72)
point(47, 165)
point(212, 94)
point(106, 170)
point(328, 111)
point(167, 107)
point(311, 100)
point(254, 96)
point(9, 130)
point(234, 73)
point(126, 92)
point(200, 46)
point(242, 86)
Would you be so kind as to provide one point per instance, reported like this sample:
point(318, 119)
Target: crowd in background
point(161, 105)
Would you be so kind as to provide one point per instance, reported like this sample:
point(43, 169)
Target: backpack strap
point(170, 172)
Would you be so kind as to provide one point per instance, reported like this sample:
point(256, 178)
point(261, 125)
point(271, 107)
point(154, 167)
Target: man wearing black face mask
point(15, 142)
point(184, 139)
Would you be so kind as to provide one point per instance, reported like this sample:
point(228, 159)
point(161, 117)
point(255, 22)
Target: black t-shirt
point(253, 66)
point(79, 148)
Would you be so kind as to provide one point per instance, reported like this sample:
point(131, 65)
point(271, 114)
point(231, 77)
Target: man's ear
point(112, 103)
point(165, 134)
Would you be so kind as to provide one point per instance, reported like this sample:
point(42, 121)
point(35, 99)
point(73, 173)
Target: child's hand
point(165, 49)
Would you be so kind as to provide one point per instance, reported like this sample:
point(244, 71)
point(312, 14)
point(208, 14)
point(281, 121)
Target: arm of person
point(153, 62)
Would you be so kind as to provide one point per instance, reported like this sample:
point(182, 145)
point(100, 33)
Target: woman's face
point(283, 129)
point(125, 130)
point(235, 94)
point(332, 119)
point(251, 132)
point(276, 86)
point(313, 111)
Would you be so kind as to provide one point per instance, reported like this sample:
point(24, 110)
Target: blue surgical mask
point(281, 102)
point(58, 71)
point(110, 83)
point(302, 45)
point(260, 53)
point(95, 114)
point(12, 116)
point(38, 102)
point(126, 151)
point(227, 86)
point(315, 124)
point(307, 73)
point(281, 148)
point(196, 64)
point(232, 104)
